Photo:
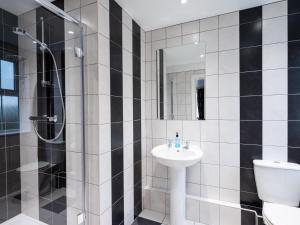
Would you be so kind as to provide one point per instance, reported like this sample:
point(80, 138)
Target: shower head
point(19, 31)
point(22, 32)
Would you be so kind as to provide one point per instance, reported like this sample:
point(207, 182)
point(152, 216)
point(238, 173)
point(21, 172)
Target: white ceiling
point(18, 7)
point(153, 14)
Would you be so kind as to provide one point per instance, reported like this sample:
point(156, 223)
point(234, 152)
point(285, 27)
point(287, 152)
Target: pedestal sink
point(177, 160)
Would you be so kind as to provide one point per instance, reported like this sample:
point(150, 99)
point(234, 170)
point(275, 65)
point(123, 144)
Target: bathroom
point(138, 112)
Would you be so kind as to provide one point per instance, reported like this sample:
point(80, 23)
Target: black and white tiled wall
point(252, 63)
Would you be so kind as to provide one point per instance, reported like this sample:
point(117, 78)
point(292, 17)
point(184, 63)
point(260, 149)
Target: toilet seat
point(276, 214)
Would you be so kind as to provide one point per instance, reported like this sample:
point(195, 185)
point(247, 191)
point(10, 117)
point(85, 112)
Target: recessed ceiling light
point(184, 1)
point(202, 56)
point(71, 32)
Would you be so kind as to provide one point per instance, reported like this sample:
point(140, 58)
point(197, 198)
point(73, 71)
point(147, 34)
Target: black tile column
point(250, 107)
point(116, 93)
point(137, 146)
point(293, 81)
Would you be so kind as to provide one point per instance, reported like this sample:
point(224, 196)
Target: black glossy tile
point(136, 88)
point(294, 155)
point(251, 132)
point(250, 15)
point(137, 149)
point(251, 200)
point(251, 34)
point(294, 81)
point(10, 39)
point(248, 180)
point(251, 108)
point(116, 109)
point(293, 6)
point(117, 187)
point(1, 16)
point(2, 161)
point(13, 158)
point(250, 59)
point(136, 46)
point(118, 212)
point(115, 9)
point(248, 153)
point(251, 83)
point(137, 193)
point(136, 70)
point(136, 109)
point(116, 135)
point(137, 130)
point(116, 83)
point(293, 27)
point(294, 54)
point(2, 184)
point(136, 29)
point(294, 107)
point(142, 221)
point(138, 172)
point(294, 133)
point(3, 210)
point(13, 206)
point(115, 30)
point(116, 161)
point(10, 19)
point(116, 57)
point(13, 182)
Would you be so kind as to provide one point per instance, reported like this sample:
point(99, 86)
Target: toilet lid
point(281, 215)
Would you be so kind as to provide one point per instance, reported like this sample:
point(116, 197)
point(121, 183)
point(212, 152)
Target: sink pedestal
point(177, 196)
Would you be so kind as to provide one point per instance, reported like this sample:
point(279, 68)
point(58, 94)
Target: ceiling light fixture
point(71, 32)
point(184, 1)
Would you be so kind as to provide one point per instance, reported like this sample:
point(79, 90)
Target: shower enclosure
point(42, 147)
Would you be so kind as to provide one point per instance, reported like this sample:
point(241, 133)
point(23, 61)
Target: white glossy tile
point(229, 85)
point(230, 154)
point(229, 38)
point(229, 19)
point(191, 130)
point(212, 86)
point(127, 38)
point(230, 177)
point(210, 175)
point(209, 213)
point(275, 133)
point(211, 153)
point(190, 27)
point(275, 82)
point(210, 23)
point(212, 63)
point(276, 111)
point(275, 30)
point(275, 56)
point(210, 38)
point(211, 108)
point(193, 174)
point(275, 9)
point(190, 39)
point(209, 131)
point(173, 31)
point(230, 216)
point(229, 131)
point(229, 108)
point(158, 34)
point(229, 62)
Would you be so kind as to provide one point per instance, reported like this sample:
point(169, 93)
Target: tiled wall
point(246, 109)
point(10, 179)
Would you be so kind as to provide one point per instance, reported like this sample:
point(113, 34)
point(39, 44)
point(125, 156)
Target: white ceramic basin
point(177, 158)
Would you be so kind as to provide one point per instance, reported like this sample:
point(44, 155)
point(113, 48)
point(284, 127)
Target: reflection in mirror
point(181, 82)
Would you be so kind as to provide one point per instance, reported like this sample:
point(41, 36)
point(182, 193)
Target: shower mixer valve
point(44, 118)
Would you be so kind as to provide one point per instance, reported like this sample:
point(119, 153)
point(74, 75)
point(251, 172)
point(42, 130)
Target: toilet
point(278, 186)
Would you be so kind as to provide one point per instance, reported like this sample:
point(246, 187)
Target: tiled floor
point(23, 220)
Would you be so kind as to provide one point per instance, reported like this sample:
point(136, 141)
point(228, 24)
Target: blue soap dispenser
point(177, 141)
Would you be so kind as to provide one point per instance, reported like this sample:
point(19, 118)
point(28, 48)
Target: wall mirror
point(180, 82)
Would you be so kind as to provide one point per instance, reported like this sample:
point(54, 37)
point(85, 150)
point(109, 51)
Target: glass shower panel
point(41, 122)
